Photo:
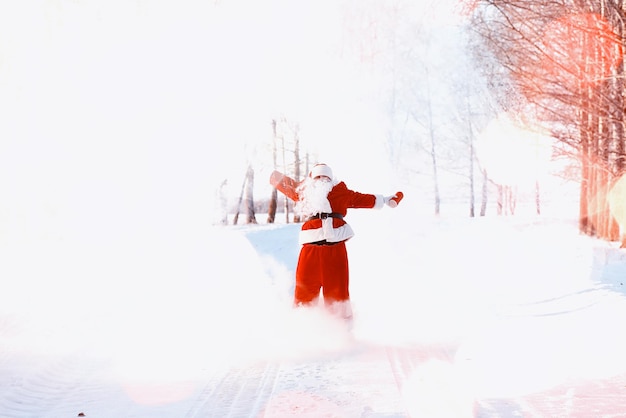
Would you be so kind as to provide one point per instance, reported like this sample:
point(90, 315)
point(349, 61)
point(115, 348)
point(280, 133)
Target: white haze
point(126, 114)
point(118, 121)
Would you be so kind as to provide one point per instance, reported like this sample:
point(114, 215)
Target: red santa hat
point(321, 170)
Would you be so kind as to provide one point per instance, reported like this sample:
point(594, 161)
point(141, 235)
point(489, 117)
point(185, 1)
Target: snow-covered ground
point(454, 317)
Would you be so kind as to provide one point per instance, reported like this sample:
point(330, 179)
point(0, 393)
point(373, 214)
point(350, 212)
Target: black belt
point(323, 242)
point(324, 215)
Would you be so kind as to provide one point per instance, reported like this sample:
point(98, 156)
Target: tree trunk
point(483, 203)
point(512, 199)
point(617, 110)
point(472, 157)
point(243, 188)
point(285, 199)
point(433, 153)
point(251, 217)
point(271, 212)
point(537, 198)
point(296, 154)
point(223, 203)
point(584, 223)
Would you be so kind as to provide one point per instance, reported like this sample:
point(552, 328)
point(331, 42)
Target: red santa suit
point(323, 260)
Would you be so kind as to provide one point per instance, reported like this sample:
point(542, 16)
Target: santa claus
point(323, 203)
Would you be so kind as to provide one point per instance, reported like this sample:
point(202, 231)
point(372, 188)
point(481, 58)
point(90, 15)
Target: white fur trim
point(321, 170)
point(380, 202)
point(331, 234)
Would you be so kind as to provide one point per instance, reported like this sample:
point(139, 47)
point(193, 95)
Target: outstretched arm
point(286, 185)
point(372, 201)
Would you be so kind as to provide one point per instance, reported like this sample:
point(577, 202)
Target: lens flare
point(512, 154)
point(617, 202)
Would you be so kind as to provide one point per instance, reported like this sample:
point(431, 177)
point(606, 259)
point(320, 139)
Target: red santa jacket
point(331, 229)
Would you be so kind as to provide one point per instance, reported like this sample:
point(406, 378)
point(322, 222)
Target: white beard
point(314, 197)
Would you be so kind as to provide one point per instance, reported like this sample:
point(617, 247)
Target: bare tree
point(432, 145)
point(239, 201)
point(251, 216)
point(565, 58)
point(435, 101)
point(271, 213)
point(222, 198)
point(247, 192)
point(484, 194)
point(286, 141)
point(296, 160)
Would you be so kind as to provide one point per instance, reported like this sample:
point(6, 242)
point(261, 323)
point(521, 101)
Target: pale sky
point(129, 103)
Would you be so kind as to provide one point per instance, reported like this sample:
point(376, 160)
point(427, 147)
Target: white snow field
point(454, 317)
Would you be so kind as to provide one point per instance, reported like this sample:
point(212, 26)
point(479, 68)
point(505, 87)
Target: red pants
point(322, 267)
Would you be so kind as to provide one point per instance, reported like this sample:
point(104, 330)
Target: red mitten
point(276, 177)
point(392, 201)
